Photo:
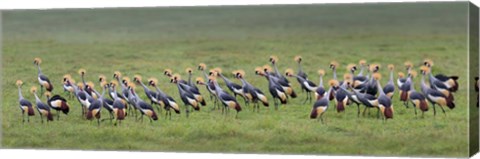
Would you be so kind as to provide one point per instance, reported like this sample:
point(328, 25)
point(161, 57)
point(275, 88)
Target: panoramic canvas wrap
point(396, 79)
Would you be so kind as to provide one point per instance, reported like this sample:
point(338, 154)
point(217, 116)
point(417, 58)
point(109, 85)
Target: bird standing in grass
point(341, 97)
point(371, 87)
point(145, 109)
point(95, 108)
point(290, 92)
point(384, 102)
point(252, 93)
point(235, 88)
point(68, 88)
point(437, 84)
point(450, 82)
point(434, 96)
point(124, 91)
point(307, 85)
point(189, 82)
point(300, 73)
point(118, 106)
point(187, 97)
point(42, 79)
point(320, 91)
point(152, 95)
point(57, 103)
point(274, 87)
point(169, 102)
point(401, 76)
point(42, 108)
point(389, 88)
point(333, 66)
point(25, 105)
point(321, 105)
point(86, 85)
point(228, 101)
point(418, 100)
point(210, 87)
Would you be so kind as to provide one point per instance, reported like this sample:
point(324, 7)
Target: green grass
point(145, 41)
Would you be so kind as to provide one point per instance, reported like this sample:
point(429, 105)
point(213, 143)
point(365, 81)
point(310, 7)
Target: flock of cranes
point(363, 88)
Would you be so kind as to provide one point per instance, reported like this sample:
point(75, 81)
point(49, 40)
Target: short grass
point(145, 41)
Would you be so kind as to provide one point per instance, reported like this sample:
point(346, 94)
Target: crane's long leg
point(415, 108)
point(58, 115)
point(358, 110)
point(434, 111)
point(443, 110)
point(364, 110)
point(23, 116)
point(41, 117)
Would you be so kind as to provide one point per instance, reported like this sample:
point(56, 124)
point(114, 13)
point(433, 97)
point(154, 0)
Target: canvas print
point(381, 79)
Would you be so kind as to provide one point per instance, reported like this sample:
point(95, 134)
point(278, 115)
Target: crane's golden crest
point(91, 84)
point(33, 89)
point(377, 76)
point(267, 68)
point(334, 64)
point(428, 62)
point(103, 83)
point(362, 62)
point(188, 70)
point(19, 83)
point(152, 80)
point(273, 59)
point(82, 71)
point(37, 60)
point(114, 83)
point(80, 85)
point(347, 76)
point(289, 72)
point(391, 67)
point(241, 73)
point(413, 73)
point(401, 75)
point(127, 79)
point(333, 82)
point(351, 67)
point(47, 93)
point(321, 72)
point(176, 77)
point(258, 70)
point(424, 69)
point(298, 59)
point(131, 85)
point(218, 69)
point(117, 74)
point(137, 78)
point(102, 78)
point(199, 80)
point(202, 66)
point(167, 71)
point(374, 67)
point(408, 64)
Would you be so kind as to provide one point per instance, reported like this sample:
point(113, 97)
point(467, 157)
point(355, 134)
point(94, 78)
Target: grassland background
point(147, 40)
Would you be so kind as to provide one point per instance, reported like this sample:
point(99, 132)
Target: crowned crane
point(418, 100)
point(235, 88)
point(368, 100)
point(25, 105)
point(95, 108)
point(351, 96)
point(68, 88)
point(389, 88)
point(320, 91)
point(57, 103)
point(189, 82)
point(228, 101)
point(251, 92)
point(436, 83)
point(305, 83)
point(287, 88)
point(435, 97)
point(210, 87)
point(321, 105)
point(401, 76)
point(168, 72)
point(384, 102)
point(42, 79)
point(118, 106)
point(341, 97)
point(42, 108)
point(371, 87)
point(300, 73)
point(449, 81)
point(169, 102)
point(476, 89)
point(333, 65)
point(152, 95)
point(132, 97)
point(196, 93)
point(359, 81)
point(107, 103)
point(187, 97)
point(274, 87)
point(273, 60)
point(405, 88)
point(83, 98)
point(123, 95)
point(145, 109)
point(90, 92)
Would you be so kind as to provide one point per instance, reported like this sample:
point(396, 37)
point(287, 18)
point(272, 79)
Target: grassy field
point(145, 41)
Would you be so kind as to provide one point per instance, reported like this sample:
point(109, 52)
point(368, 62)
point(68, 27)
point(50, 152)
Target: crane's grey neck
point(328, 92)
point(276, 69)
point(412, 88)
point(39, 69)
point(299, 67)
point(20, 96)
point(391, 77)
point(244, 83)
point(320, 83)
point(224, 78)
point(36, 98)
point(423, 84)
point(217, 87)
point(379, 87)
point(361, 71)
point(83, 80)
point(335, 73)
